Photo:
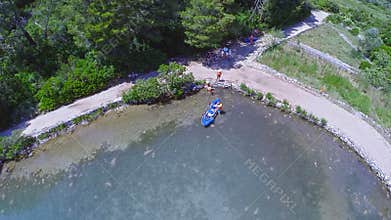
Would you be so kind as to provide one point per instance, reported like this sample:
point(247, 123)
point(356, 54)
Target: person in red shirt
point(218, 75)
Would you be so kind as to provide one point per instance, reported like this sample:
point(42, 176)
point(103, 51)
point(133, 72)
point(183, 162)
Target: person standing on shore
point(218, 75)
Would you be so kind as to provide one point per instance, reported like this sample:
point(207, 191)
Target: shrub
point(271, 101)
point(286, 107)
point(246, 90)
point(174, 79)
point(259, 96)
point(144, 91)
point(323, 122)
point(304, 114)
point(313, 118)
point(172, 82)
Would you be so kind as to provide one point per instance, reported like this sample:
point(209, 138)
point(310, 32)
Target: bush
point(144, 91)
point(79, 78)
point(304, 114)
point(271, 101)
point(175, 79)
point(246, 90)
point(323, 122)
point(313, 118)
point(171, 83)
point(259, 96)
point(286, 107)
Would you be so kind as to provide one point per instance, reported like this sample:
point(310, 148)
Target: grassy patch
point(349, 93)
point(338, 84)
point(327, 39)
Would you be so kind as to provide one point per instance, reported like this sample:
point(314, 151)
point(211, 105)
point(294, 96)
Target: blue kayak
point(209, 116)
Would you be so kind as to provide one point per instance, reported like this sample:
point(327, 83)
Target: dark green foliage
point(79, 78)
point(16, 97)
point(206, 22)
point(278, 13)
point(245, 22)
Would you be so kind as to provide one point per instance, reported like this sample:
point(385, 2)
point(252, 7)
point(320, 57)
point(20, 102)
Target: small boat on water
point(209, 115)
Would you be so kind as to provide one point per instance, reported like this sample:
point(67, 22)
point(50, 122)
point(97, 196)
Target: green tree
point(206, 22)
point(277, 13)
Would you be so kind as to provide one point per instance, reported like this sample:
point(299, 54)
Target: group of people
point(209, 86)
point(226, 52)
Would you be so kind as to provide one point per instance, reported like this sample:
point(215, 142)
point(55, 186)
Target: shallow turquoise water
point(256, 163)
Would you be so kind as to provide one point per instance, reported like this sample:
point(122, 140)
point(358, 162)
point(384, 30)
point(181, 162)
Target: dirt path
point(66, 113)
